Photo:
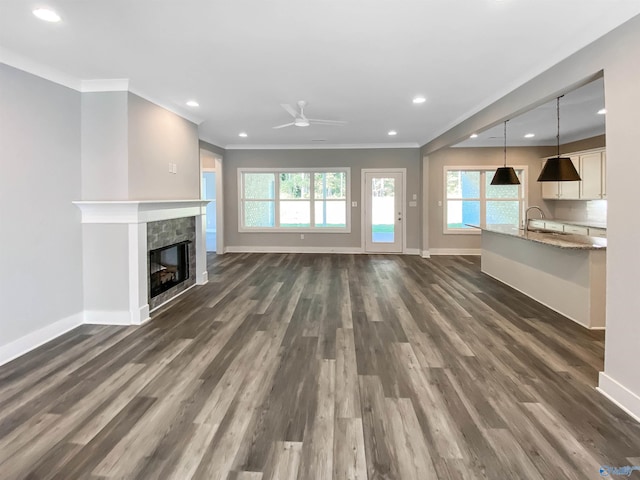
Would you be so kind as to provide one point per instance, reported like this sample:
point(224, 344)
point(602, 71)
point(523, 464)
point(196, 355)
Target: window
point(471, 199)
point(294, 200)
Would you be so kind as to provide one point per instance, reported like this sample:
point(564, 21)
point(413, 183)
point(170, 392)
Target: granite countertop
point(561, 240)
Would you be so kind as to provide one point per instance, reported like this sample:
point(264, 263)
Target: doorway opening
point(211, 190)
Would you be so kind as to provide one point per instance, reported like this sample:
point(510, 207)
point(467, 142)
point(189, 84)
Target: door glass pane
point(503, 213)
point(383, 208)
point(461, 212)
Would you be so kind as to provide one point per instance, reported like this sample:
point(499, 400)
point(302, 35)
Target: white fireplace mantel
point(118, 230)
point(139, 211)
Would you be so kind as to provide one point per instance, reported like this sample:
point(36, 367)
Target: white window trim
point(474, 231)
point(312, 229)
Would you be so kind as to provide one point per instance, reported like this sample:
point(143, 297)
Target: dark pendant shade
point(559, 169)
point(505, 176)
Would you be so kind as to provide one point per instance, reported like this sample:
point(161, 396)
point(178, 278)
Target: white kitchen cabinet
point(591, 174)
point(576, 229)
point(553, 226)
point(591, 167)
point(562, 190)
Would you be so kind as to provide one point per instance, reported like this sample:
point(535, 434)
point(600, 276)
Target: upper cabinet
point(591, 167)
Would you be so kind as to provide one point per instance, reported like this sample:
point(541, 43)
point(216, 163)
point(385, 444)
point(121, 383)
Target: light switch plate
point(413, 204)
point(354, 204)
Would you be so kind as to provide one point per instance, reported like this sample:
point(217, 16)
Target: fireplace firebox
point(168, 267)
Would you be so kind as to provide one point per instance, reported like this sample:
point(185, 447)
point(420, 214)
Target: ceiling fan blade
point(318, 121)
point(285, 125)
point(290, 110)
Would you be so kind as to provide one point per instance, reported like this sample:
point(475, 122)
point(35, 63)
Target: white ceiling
point(579, 119)
point(360, 61)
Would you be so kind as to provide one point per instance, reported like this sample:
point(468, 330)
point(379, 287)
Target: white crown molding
point(25, 64)
point(172, 108)
point(322, 147)
point(105, 85)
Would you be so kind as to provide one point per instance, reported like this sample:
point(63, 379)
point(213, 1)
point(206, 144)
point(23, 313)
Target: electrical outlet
point(302, 236)
point(354, 204)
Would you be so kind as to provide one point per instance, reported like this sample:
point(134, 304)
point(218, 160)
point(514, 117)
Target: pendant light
point(559, 169)
point(505, 175)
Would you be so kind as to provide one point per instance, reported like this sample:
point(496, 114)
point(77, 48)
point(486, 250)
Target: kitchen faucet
point(526, 216)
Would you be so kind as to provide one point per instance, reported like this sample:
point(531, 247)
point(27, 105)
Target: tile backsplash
point(591, 210)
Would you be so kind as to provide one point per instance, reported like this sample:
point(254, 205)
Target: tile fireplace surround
point(115, 255)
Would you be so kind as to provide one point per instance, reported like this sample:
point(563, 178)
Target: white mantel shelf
point(129, 248)
point(138, 211)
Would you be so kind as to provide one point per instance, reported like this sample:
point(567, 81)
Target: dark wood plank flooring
point(320, 367)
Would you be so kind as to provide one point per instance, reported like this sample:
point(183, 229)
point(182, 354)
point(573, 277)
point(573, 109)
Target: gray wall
point(356, 159)
point(105, 158)
point(617, 55)
point(41, 246)
point(158, 137)
point(519, 156)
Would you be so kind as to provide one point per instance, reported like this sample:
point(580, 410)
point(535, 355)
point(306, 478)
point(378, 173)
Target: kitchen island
point(565, 272)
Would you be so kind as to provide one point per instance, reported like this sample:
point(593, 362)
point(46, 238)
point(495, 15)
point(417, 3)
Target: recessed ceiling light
point(602, 111)
point(46, 15)
point(392, 133)
point(243, 134)
point(530, 135)
point(473, 135)
point(193, 103)
point(419, 99)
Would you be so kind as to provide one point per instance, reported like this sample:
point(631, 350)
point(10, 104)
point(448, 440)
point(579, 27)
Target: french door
point(383, 211)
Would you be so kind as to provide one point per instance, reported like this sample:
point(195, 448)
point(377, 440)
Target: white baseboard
point(270, 249)
point(107, 317)
point(455, 251)
point(412, 251)
point(425, 254)
point(33, 340)
point(203, 278)
point(620, 395)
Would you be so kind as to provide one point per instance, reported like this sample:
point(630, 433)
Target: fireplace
point(118, 237)
point(168, 267)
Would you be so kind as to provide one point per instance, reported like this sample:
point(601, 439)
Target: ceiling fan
point(300, 120)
